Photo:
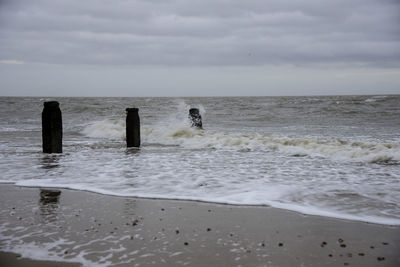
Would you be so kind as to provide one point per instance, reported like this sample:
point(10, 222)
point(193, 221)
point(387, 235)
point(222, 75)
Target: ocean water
point(335, 156)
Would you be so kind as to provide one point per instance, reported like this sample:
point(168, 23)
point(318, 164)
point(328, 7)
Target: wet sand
point(98, 230)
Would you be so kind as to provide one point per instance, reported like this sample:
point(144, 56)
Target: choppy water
point(335, 156)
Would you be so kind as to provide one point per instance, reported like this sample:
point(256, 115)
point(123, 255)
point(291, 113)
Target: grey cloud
point(207, 32)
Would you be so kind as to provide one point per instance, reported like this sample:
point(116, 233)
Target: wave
point(377, 98)
point(108, 128)
point(181, 134)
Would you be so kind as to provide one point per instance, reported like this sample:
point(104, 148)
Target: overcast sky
point(199, 47)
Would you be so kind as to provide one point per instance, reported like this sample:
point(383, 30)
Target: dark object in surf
point(195, 118)
point(132, 127)
point(52, 127)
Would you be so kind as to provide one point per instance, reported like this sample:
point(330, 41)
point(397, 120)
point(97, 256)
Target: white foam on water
point(45, 251)
point(108, 128)
point(178, 132)
point(376, 98)
point(54, 248)
point(7, 182)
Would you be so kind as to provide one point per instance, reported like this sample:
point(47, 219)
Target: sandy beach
point(73, 227)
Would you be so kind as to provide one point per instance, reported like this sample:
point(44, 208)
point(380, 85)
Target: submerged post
point(195, 118)
point(132, 127)
point(52, 127)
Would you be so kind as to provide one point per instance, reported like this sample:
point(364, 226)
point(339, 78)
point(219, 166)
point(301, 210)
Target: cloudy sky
point(199, 47)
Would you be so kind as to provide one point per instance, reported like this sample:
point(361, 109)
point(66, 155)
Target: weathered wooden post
point(132, 127)
point(195, 118)
point(52, 127)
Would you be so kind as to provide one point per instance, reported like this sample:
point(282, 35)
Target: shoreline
point(323, 214)
point(101, 230)
point(15, 260)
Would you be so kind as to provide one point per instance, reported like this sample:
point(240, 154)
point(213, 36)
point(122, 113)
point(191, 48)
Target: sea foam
point(108, 128)
point(181, 134)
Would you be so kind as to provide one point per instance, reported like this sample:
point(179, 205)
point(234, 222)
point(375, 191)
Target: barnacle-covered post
point(195, 118)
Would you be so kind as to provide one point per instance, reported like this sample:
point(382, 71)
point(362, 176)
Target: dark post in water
point(132, 127)
point(195, 118)
point(52, 127)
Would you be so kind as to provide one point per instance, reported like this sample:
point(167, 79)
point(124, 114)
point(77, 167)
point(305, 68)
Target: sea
point(333, 156)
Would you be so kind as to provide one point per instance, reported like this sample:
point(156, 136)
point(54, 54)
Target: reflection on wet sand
point(129, 208)
point(49, 204)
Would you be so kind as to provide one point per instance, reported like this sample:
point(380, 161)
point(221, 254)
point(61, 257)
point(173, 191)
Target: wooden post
point(52, 127)
point(195, 118)
point(132, 127)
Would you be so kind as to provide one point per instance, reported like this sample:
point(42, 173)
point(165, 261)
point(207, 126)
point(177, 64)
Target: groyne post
point(132, 127)
point(195, 118)
point(52, 127)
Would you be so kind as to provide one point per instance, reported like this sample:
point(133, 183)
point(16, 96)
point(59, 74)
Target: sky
point(199, 47)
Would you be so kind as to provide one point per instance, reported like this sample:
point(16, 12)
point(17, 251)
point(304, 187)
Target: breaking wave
point(181, 134)
point(108, 128)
